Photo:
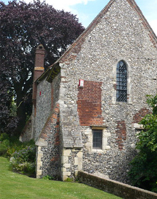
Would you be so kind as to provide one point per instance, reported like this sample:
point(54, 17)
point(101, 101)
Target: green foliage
point(152, 101)
point(3, 136)
point(47, 177)
point(143, 172)
point(26, 154)
point(4, 145)
point(27, 168)
point(23, 161)
point(13, 109)
point(8, 145)
point(69, 180)
point(22, 155)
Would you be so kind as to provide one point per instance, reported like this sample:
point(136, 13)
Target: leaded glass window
point(97, 139)
point(121, 94)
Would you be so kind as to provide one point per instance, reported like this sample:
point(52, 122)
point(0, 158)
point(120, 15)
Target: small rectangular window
point(97, 139)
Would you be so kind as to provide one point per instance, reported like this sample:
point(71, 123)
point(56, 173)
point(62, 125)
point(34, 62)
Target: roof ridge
point(80, 39)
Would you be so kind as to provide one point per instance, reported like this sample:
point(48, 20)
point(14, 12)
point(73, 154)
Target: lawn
point(16, 186)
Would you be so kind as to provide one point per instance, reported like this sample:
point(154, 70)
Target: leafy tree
point(22, 27)
point(143, 172)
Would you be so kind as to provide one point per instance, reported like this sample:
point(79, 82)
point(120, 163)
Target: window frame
point(121, 81)
point(105, 135)
point(97, 138)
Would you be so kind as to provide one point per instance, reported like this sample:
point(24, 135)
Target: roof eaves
point(53, 72)
point(42, 77)
point(48, 73)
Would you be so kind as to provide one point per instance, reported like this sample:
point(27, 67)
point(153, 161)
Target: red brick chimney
point(39, 61)
point(38, 70)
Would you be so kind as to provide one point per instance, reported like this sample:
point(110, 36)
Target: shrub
point(69, 180)
point(143, 171)
point(23, 161)
point(22, 155)
point(4, 145)
point(4, 136)
point(8, 145)
point(47, 177)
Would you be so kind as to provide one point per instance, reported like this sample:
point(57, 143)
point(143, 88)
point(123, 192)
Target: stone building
point(87, 105)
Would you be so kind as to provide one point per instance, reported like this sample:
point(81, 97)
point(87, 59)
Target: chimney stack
point(39, 61)
point(38, 69)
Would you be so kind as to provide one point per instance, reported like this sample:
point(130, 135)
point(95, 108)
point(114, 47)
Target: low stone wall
point(117, 188)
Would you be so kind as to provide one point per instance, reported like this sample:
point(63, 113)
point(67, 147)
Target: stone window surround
point(137, 128)
point(105, 135)
point(97, 138)
point(121, 82)
point(114, 74)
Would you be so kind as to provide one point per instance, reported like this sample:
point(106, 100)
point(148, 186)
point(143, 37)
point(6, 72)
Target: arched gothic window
point(121, 78)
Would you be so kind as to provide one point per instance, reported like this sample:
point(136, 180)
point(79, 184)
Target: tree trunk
point(21, 113)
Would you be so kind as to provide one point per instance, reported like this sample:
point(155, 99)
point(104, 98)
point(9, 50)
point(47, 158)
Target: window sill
point(101, 150)
point(126, 103)
point(97, 151)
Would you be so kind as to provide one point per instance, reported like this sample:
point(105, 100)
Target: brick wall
point(140, 114)
point(40, 56)
point(121, 134)
point(89, 104)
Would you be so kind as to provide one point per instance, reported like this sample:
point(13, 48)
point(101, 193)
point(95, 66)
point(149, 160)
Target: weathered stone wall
point(111, 162)
point(51, 153)
point(55, 89)
point(120, 35)
point(71, 130)
point(47, 96)
point(114, 187)
point(43, 104)
point(71, 163)
point(47, 128)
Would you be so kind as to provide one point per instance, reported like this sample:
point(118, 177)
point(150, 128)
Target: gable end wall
point(119, 35)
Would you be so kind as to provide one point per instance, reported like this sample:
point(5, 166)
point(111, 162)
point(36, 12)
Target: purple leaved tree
point(23, 26)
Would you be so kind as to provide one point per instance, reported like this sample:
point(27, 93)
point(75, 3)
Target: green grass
point(16, 186)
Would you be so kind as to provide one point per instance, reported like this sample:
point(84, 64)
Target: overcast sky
point(87, 10)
